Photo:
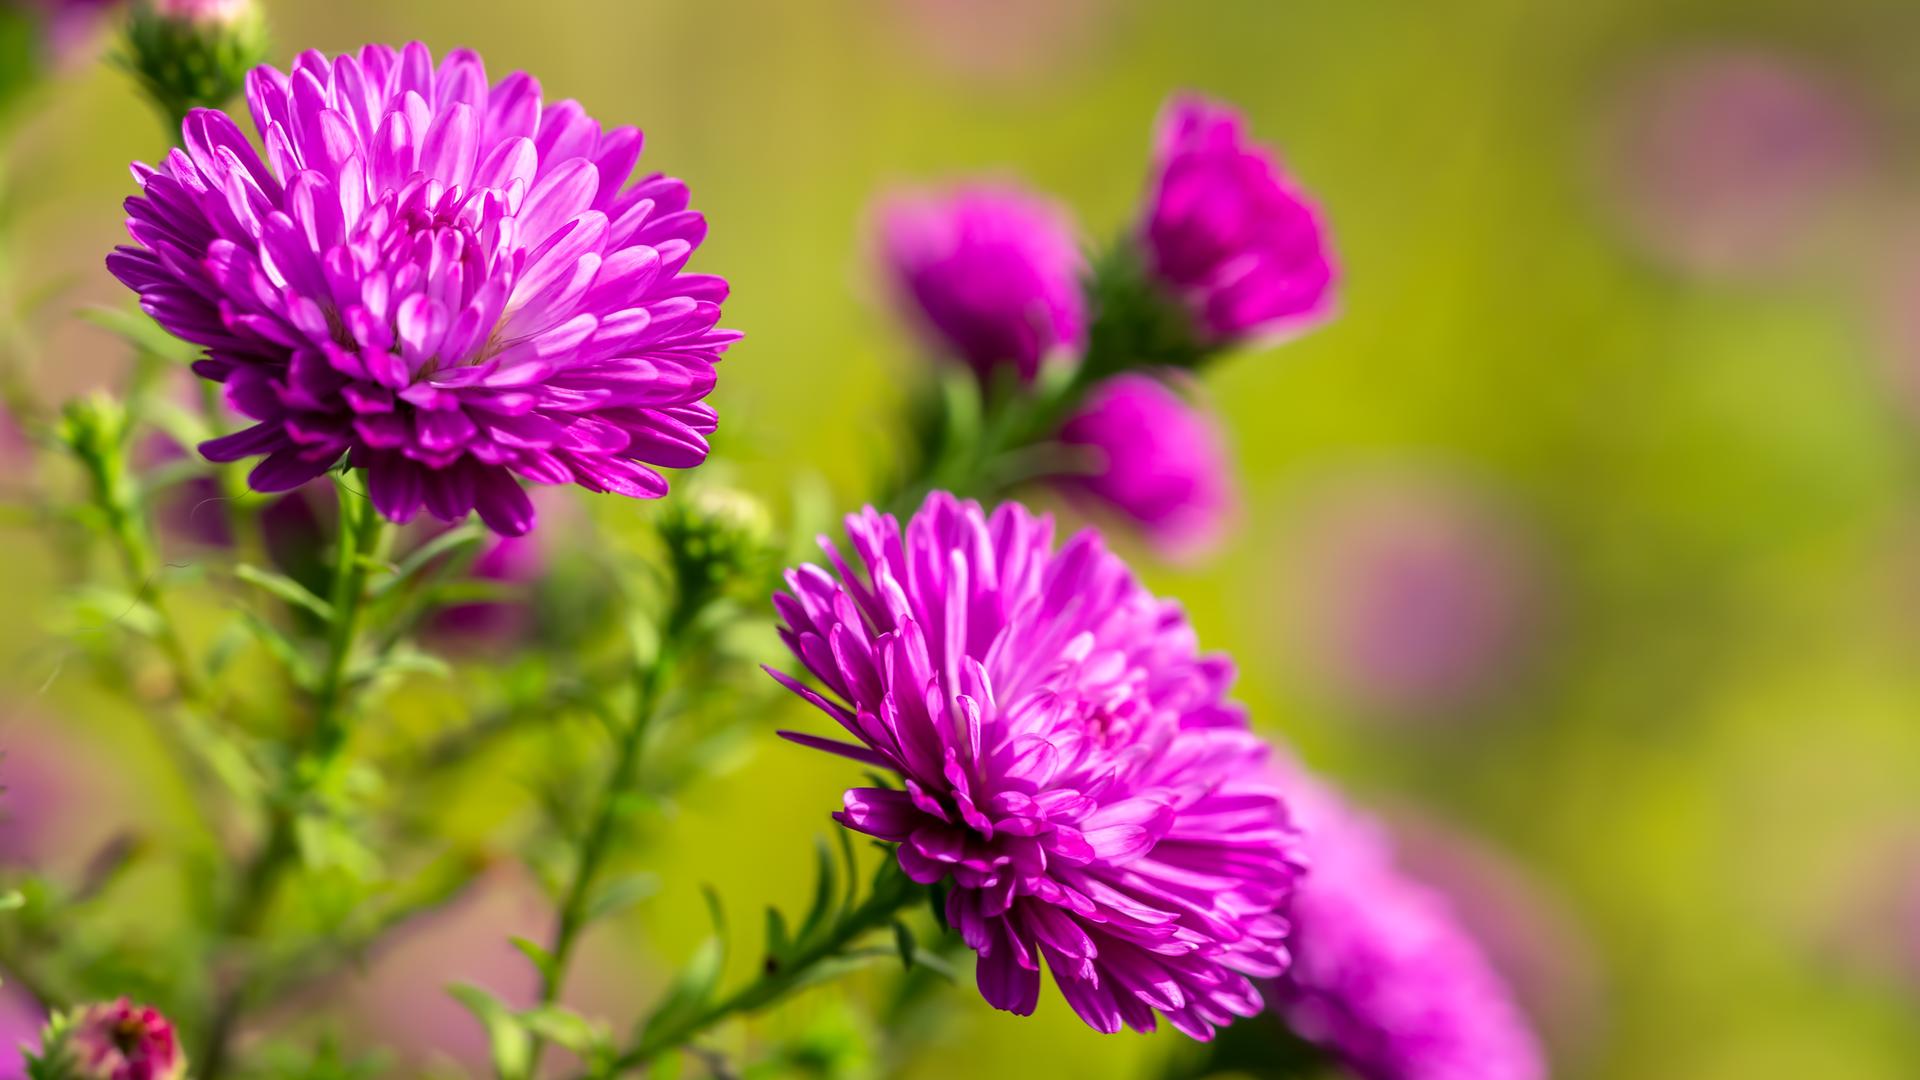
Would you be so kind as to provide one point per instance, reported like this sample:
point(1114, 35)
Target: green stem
point(363, 537)
point(770, 986)
point(113, 495)
point(574, 907)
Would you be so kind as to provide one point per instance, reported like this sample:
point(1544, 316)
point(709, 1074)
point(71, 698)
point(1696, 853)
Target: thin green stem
point(363, 537)
point(776, 982)
point(576, 905)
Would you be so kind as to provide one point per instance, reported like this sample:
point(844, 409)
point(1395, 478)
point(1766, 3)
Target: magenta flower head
point(116, 1041)
point(450, 285)
point(1156, 459)
point(993, 273)
point(1383, 976)
point(1228, 233)
point(1068, 764)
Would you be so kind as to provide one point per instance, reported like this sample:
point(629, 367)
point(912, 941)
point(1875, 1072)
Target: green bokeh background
point(1716, 746)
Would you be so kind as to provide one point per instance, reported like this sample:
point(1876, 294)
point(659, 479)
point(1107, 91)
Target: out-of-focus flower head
point(111, 1041)
point(66, 27)
point(1003, 40)
point(1414, 598)
point(1728, 161)
point(508, 561)
point(1527, 931)
point(204, 11)
point(56, 806)
point(1384, 977)
point(991, 272)
point(1069, 764)
point(21, 1021)
point(1229, 234)
point(451, 285)
point(1157, 459)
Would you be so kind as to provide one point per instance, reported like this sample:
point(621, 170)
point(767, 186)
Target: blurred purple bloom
point(21, 1019)
point(124, 1041)
point(992, 272)
point(1069, 763)
point(71, 24)
point(1727, 160)
point(1159, 461)
point(191, 509)
point(452, 286)
point(1383, 977)
point(1529, 935)
point(506, 560)
point(1418, 599)
point(1229, 233)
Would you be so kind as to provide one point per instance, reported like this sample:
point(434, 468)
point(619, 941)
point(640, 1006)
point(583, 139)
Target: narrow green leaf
point(536, 953)
point(285, 588)
point(510, 1041)
point(620, 894)
point(777, 939)
point(566, 1028)
point(903, 943)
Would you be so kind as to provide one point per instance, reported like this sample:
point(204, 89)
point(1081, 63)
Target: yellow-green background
point(1725, 726)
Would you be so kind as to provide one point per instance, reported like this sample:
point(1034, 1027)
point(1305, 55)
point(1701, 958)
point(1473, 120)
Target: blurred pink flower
point(1158, 461)
point(1413, 597)
point(1529, 934)
point(53, 814)
point(119, 1040)
point(1728, 161)
point(991, 272)
point(399, 1001)
point(1002, 40)
point(21, 1019)
point(212, 11)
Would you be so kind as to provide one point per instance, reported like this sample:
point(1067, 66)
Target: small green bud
point(193, 54)
point(716, 535)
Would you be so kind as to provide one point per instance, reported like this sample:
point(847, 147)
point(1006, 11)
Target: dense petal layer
point(1066, 759)
point(446, 283)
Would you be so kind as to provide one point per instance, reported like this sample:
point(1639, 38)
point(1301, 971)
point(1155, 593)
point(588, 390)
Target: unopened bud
point(110, 1041)
point(193, 54)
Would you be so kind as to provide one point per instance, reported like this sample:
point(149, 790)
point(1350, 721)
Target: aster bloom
point(1384, 977)
point(992, 272)
point(1158, 460)
point(452, 286)
point(1068, 763)
point(1229, 234)
point(1421, 598)
point(122, 1041)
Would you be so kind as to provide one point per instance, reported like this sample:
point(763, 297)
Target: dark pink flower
point(993, 274)
point(124, 1041)
point(449, 284)
point(1068, 763)
point(1156, 459)
point(1228, 233)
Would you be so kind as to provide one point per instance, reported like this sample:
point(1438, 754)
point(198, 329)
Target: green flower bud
point(193, 54)
point(715, 536)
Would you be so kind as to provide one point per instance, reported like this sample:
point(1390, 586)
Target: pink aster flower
point(1068, 763)
point(1158, 460)
point(452, 286)
point(992, 272)
point(1229, 233)
point(1384, 977)
point(124, 1041)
